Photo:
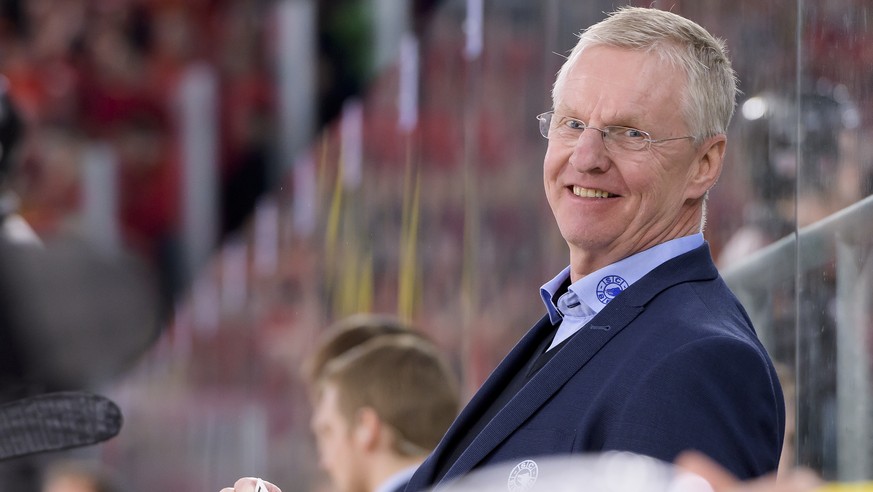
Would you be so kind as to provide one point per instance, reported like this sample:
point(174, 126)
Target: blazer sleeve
point(718, 395)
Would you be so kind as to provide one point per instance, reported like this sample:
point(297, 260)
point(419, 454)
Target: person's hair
point(709, 96)
point(406, 382)
point(348, 333)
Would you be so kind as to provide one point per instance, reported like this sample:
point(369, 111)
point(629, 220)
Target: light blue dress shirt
point(588, 295)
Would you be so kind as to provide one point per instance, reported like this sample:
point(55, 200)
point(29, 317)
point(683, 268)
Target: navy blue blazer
point(670, 364)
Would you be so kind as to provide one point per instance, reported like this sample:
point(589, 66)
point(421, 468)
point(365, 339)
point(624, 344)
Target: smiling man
point(643, 348)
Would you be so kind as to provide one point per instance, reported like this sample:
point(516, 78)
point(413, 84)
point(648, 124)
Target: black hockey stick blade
point(56, 421)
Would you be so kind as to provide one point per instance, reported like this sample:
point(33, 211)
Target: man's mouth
point(591, 192)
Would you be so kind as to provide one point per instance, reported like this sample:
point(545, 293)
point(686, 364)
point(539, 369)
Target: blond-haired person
point(380, 409)
point(383, 396)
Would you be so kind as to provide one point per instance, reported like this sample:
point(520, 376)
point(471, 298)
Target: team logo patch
point(523, 476)
point(609, 287)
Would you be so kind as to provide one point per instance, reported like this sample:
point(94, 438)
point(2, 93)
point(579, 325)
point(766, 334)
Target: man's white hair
point(709, 96)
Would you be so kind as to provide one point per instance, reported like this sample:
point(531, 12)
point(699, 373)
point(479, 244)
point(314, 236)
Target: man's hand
point(796, 480)
point(247, 484)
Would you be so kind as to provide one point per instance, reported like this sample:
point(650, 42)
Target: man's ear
point(707, 167)
point(367, 430)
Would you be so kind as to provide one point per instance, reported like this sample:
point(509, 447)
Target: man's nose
point(589, 152)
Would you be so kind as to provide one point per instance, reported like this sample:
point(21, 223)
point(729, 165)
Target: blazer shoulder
point(719, 394)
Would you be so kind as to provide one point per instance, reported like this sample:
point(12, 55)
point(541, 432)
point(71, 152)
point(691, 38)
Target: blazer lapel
point(572, 357)
point(694, 265)
point(512, 363)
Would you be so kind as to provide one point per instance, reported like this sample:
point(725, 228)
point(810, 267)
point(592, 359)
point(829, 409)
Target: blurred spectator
point(381, 406)
point(16, 379)
point(785, 192)
point(13, 227)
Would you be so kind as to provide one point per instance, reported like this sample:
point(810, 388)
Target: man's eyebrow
point(624, 119)
point(621, 119)
point(629, 120)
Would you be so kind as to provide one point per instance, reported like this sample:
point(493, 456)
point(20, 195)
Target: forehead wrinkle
point(602, 112)
point(620, 101)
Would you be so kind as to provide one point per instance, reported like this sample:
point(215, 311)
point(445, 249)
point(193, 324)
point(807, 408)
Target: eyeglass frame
point(546, 126)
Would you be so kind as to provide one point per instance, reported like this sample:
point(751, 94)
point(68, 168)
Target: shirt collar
point(598, 288)
point(548, 291)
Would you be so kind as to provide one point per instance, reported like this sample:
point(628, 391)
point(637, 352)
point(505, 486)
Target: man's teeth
point(589, 193)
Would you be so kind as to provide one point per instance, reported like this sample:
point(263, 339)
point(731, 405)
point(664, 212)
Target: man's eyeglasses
point(567, 131)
